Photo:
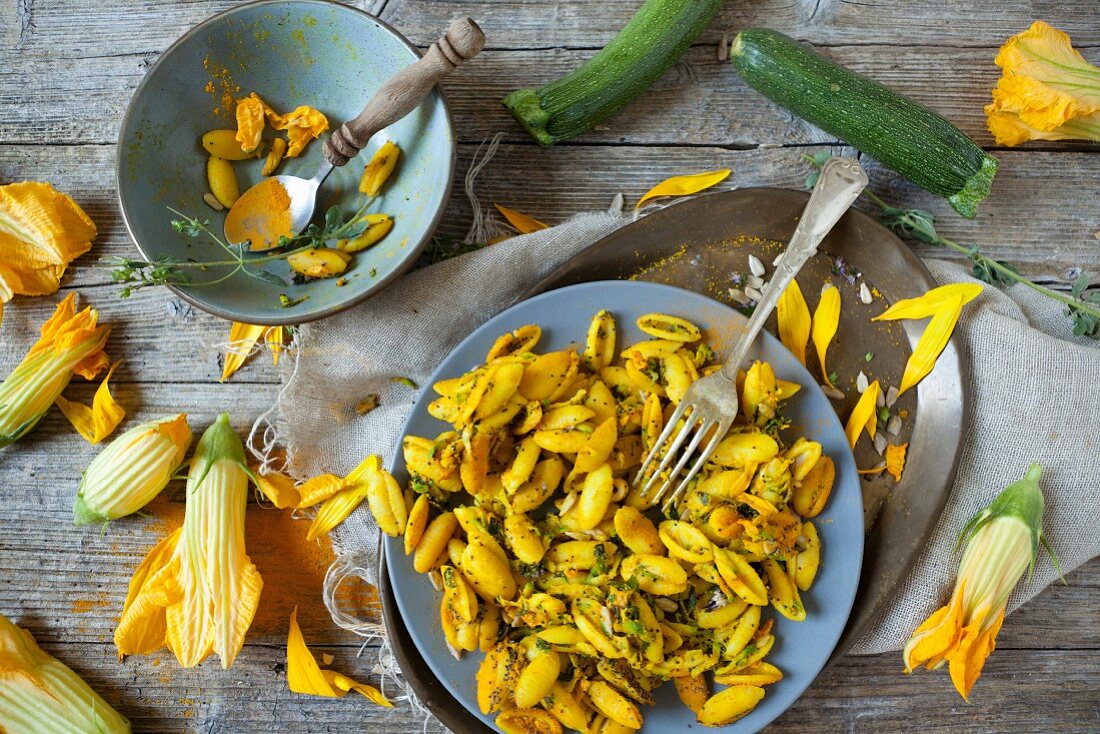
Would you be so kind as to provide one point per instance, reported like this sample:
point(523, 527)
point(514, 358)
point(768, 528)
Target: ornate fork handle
point(840, 183)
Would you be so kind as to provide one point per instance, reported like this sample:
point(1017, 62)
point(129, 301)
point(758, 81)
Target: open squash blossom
point(197, 591)
point(523, 223)
point(304, 675)
point(41, 231)
point(686, 185)
point(1047, 90)
point(129, 473)
point(41, 695)
point(825, 322)
point(944, 305)
point(71, 343)
point(99, 420)
point(1002, 542)
point(793, 317)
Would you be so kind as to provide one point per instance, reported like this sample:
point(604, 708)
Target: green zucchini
point(897, 132)
point(651, 42)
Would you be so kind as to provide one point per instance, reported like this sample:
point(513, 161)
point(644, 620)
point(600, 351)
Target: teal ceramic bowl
point(330, 56)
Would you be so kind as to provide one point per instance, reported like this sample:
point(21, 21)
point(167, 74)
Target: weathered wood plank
point(591, 24)
point(1057, 187)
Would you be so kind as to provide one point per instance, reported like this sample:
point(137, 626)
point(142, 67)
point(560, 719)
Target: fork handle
point(840, 184)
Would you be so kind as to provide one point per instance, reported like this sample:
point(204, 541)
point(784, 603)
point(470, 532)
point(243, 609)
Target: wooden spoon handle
point(402, 92)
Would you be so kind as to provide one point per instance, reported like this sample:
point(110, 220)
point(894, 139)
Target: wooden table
point(67, 69)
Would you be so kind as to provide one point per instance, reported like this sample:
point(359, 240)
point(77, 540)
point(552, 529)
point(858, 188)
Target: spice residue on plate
point(261, 216)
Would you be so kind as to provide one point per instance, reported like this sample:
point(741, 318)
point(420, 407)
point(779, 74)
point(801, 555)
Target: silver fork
point(711, 402)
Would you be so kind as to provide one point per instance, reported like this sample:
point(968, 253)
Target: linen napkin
point(1031, 386)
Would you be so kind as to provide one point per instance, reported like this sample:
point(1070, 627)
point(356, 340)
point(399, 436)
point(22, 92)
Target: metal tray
point(699, 244)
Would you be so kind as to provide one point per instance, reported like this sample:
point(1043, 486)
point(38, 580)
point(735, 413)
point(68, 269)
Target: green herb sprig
point(135, 274)
point(1082, 304)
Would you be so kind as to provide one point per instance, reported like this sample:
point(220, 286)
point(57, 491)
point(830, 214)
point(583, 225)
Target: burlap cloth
point(1031, 382)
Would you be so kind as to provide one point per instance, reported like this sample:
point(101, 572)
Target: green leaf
point(332, 217)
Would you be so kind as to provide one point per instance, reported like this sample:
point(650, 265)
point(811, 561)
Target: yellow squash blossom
point(1047, 90)
point(1002, 542)
point(71, 343)
point(944, 305)
point(304, 675)
point(129, 473)
point(99, 420)
point(198, 590)
point(41, 695)
point(41, 232)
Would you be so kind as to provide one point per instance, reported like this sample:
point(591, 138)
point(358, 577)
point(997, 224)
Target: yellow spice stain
point(102, 600)
point(221, 86)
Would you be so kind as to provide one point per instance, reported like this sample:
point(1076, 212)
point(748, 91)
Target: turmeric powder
point(261, 216)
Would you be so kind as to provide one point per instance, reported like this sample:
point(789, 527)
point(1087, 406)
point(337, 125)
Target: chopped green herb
point(287, 302)
point(405, 381)
point(868, 357)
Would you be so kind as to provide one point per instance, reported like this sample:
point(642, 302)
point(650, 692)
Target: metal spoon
point(397, 97)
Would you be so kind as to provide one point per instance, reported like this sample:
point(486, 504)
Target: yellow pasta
point(581, 596)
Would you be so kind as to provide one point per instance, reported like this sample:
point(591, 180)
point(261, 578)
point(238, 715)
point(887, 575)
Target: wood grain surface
point(67, 70)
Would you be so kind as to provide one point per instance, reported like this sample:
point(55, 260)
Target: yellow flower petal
point(142, 628)
point(319, 488)
point(98, 421)
point(370, 464)
point(250, 122)
point(302, 124)
point(275, 338)
point(691, 183)
point(793, 316)
point(278, 488)
point(966, 664)
point(524, 224)
point(825, 323)
point(1009, 129)
point(242, 339)
point(335, 509)
point(937, 636)
point(931, 302)
point(304, 675)
point(863, 415)
point(895, 460)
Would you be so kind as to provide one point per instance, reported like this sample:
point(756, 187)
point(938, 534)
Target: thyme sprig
point(1082, 305)
point(135, 274)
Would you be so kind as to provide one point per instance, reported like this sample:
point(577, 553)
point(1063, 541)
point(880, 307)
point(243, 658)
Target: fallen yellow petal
point(98, 421)
point(304, 675)
point(142, 628)
point(931, 302)
point(319, 488)
point(242, 339)
point(302, 124)
point(863, 415)
point(793, 316)
point(275, 338)
point(825, 323)
point(278, 488)
point(937, 636)
point(335, 509)
point(250, 122)
point(895, 460)
point(523, 223)
point(691, 183)
point(966, 665)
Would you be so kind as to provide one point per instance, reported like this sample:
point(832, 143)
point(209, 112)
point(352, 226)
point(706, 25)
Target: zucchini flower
point(129, 473)
point(1047, 90)
point(40, 695)
point(70, 343)
point(1002, 542)
point(197, 590)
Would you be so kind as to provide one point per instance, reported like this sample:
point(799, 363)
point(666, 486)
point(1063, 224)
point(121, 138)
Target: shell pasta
point(582, 598)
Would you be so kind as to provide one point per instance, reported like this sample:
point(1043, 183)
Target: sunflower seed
point(861, 383)
point(755, 265)
point(864, 293)
point(456, 653)
point(755, 281)
point(724, 48)
point(753, 294)
point(832, 393)
point(880, 400)
point(778, 259)
point(880, 443)
point(436, 579)
point(738, 296)
point(891, 396)
point(893, 426)
point(212, 201)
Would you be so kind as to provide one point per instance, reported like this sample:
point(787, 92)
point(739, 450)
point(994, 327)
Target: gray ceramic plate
point(324, 54)
point(701, 243)
point(802, 648)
